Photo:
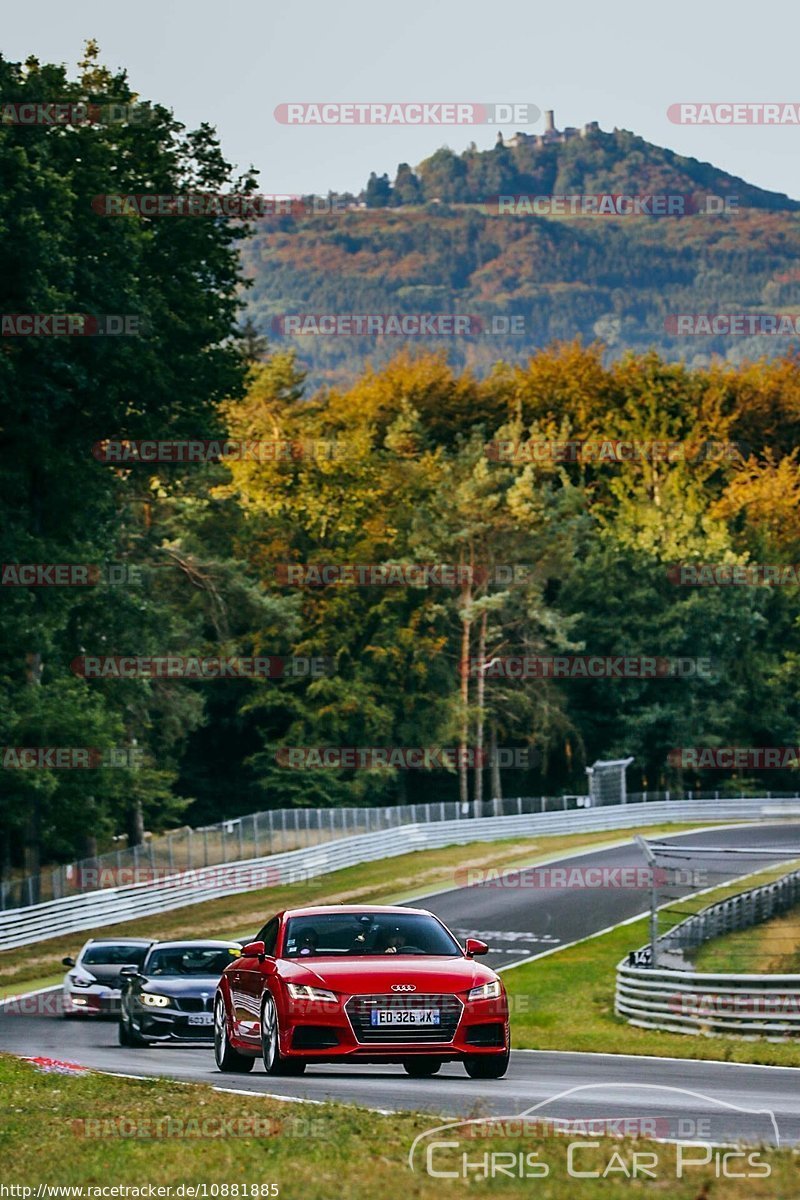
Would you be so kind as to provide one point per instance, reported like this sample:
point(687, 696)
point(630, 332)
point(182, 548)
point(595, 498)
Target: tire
point(423, 1067)
point(227, 1059)
point(128, 1035)
point(486, 1066)
point(274, 1062)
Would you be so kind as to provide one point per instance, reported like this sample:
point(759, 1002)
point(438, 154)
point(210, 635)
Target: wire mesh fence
point(253, 836)
point(278, 830)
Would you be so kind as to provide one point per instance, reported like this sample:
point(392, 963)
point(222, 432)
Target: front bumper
point(173, 1024)
point(322, 1031)
point(96, 1001)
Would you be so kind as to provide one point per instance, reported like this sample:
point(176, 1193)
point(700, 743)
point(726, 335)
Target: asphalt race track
point(688, 1100)
point(521, 922)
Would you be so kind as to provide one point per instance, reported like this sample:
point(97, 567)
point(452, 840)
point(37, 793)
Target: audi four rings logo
point(404, 987)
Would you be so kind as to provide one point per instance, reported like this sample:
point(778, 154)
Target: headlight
point(80, 981)
point(302, 991)
point(152, 1000)
point(487, 991)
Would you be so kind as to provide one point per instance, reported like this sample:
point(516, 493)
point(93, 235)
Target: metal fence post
point(651, 858)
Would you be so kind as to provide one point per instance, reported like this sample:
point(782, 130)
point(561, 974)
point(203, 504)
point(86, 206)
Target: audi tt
point(169, 998)
point(356, 984)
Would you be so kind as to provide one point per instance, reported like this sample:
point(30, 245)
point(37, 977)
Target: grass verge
point(772, 948)
point(87, 1131)
point(566, 1001)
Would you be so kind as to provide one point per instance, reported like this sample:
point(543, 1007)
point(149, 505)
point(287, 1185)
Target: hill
point(436, 241)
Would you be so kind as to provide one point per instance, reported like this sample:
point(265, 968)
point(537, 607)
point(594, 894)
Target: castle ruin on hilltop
point(551, 134)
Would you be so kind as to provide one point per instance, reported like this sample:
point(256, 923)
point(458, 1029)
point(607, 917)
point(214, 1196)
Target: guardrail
point(171, 890)
point(264, 833)
point(685, 1001)
point(279, 830)
point(741, 911)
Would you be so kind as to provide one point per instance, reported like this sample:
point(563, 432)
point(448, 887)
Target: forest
point(529, 554)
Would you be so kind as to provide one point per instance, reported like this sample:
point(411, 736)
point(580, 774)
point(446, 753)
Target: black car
point(170, 999)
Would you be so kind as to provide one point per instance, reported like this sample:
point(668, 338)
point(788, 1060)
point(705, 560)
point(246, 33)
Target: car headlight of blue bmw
point(486, 991)
point(153, 1000)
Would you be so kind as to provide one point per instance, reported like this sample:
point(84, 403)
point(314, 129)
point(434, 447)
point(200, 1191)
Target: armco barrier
point(741, 911)
point(747, 1006)
point(682, 1001)
point(109, 906)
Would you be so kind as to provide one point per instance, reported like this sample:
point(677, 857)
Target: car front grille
point(194, 1003)
point(358, 1010)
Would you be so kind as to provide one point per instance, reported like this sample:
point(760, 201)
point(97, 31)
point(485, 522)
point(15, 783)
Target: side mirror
point(68, 962)
point(129, 971)
point(254, 950)
point(475, 946)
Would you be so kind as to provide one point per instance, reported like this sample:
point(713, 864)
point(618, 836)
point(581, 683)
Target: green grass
point(566, 1001)
point(65, 1131)
point(381, 882)
point(772, 947)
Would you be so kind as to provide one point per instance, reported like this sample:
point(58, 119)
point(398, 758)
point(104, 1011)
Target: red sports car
point(355, 984)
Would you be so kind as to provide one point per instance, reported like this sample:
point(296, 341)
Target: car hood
point(188, 985)
point(365, 975)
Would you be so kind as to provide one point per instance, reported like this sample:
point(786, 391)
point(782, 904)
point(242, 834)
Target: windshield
point(363, 934)
point(113, 956)
point(190, 960)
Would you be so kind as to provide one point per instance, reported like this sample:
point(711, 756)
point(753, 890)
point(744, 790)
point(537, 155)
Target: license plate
point(404, 1016)
point(201, 1019)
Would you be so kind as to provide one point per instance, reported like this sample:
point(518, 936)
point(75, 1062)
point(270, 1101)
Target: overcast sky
point(620, 64)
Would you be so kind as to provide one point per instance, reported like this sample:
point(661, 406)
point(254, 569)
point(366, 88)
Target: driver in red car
point(395, 942)
point(309, 942)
